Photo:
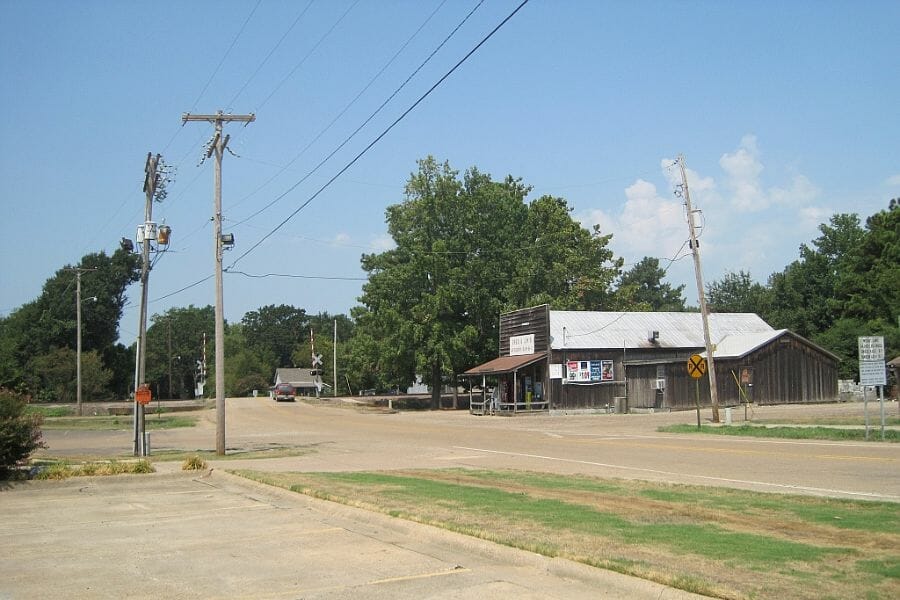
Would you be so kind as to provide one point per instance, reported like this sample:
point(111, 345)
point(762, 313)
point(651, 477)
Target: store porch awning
point(506, 364)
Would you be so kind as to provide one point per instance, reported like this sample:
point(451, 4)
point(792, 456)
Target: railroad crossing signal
point(696, 366)
point(316, 360)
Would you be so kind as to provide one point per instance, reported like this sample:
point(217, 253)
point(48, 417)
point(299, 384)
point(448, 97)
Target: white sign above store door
point(521, 344)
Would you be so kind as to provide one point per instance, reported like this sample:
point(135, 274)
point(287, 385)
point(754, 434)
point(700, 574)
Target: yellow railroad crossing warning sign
point(696, 366)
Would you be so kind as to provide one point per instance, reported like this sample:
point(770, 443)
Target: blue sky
point(786, 113)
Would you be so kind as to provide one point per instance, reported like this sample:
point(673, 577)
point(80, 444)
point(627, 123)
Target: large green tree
point(844, 285)
point(642, 288)
point(175, 345)
point(276, 330)
point(808, 295)
point(49, 322)
point(467, 249)
point(246, 368)
point(738, 293)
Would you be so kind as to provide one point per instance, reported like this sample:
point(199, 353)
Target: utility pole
point(334, 348)
point(169, 344)
point(147, 233)
point(704, 310)
point(78, 272)
point(218, 147)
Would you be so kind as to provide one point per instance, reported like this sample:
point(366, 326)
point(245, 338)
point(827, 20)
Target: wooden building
point(620, 361)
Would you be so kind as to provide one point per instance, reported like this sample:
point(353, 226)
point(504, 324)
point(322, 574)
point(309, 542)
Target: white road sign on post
point(871, 348)
point(871, 361)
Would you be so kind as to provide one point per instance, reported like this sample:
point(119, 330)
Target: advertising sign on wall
point(589, 371)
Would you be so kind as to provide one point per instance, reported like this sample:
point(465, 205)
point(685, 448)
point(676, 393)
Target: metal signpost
point(696, 368)
point(872, 373)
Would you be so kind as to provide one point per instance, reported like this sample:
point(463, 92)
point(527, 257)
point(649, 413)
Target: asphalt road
point(629, 446)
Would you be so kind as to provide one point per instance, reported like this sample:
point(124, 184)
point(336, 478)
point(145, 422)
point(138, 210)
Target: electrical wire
point(364, 123)
point(185, 288)
point(269, 55)
point(381, 135)
point(291, 276)
point(282, 169)
point(308, 54)
point(215, 72)
point(225, 56)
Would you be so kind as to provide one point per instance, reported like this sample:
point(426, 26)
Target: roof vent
point(653, 337)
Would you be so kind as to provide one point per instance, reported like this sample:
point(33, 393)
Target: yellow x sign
point(696, 366)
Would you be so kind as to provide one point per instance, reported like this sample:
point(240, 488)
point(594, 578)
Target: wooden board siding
point(787, 370)
point(595, 396)
point(534, 320)
point(784, 371)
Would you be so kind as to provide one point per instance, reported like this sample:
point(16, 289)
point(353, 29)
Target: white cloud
point(648, 224)
point(341, 239)
point(893, 180)
point(801, 192)
point(748, 225)
point(813, 216)
point(382, 243)
point(742, 176)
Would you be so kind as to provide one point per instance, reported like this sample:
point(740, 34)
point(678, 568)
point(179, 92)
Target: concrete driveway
point(219, 536)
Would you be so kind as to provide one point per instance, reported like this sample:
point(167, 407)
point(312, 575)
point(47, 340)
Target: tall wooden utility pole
point(704, 310)
point(151, 184)
point(78, 272)
point(218, 147)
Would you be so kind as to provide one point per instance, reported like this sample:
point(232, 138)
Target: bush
point(20, 433)
point(194, 463)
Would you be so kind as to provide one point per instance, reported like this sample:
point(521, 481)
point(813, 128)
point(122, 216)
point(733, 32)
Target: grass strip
point(705, 540)
point(785, 432)
point(114, 423)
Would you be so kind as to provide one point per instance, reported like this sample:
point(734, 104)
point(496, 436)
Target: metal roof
point(590, 330)
point(295, 377)
point(739, 345)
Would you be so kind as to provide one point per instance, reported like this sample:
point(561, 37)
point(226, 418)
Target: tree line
point(466, 249)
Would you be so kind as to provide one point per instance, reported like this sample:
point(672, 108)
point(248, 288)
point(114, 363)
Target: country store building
point(580, 360)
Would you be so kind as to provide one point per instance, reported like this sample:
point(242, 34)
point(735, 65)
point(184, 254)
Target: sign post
point(696, 368)
point(872, 373)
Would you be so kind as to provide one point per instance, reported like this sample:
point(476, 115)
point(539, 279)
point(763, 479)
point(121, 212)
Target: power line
point(381, 135)
point(269, 55)
point(225, 56)
point(215, 71)
point(308, 54)
point(364, 123)
point(291, 276)
point(185, 288)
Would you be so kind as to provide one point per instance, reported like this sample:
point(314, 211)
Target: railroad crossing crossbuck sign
point(696, 366)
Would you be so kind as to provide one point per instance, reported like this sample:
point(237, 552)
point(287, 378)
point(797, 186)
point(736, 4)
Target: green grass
point(843, 514)
point(785, 432)
point(113, 423)
point(49, 411)
point(703, 540)
point(706, 540)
